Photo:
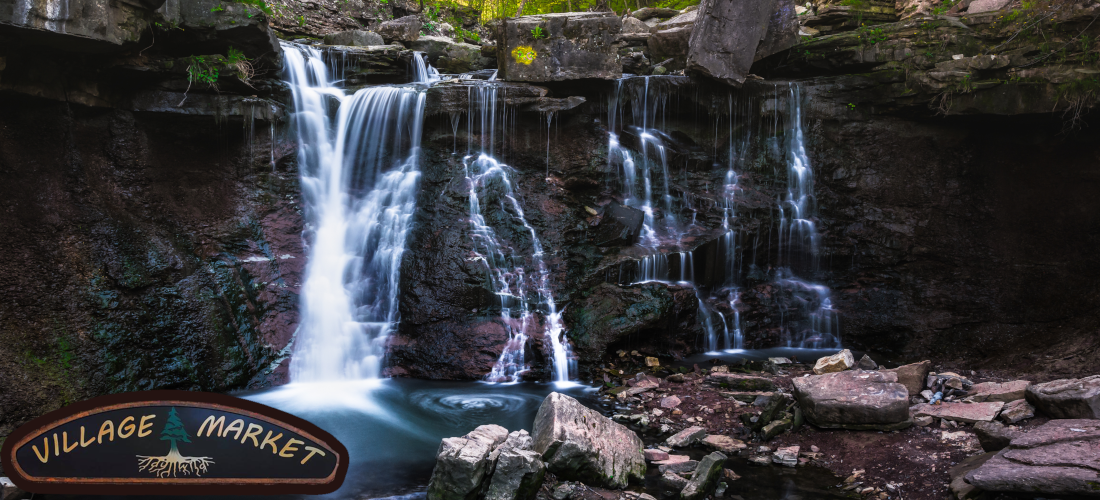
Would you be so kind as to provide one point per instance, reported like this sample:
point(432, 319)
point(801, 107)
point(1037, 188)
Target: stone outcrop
point(853, 400)
point(725, 37)
point(556, 47)
point(462, 463)
point(838, 362)
point(1059, 458)
point(354, 38)
point(1067, 398)
point(402, 29)
point(580, 444)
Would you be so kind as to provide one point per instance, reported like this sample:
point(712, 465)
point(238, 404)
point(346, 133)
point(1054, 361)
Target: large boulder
point(402, 29)
point(913, 376)
point(671, 43)
point(518, 469)
point(354, 38)
point(854, 400)
point(960, 412)
point(580, 444)
point(705, 478)
point(462, 464)
point(1067, 398)
point(450, 57)
point(1059, 458)
point(556, 47)
point(998, 391)
point(782, 30)
point(725, 37)
point(838, 362)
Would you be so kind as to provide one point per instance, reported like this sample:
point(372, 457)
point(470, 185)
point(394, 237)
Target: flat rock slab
point(747, 397)
point(573, 46)
point(1061, 457)
point(854, 400)
point(998, 391)
point(687, 437)
point(724, 444)
point(740, 382)
point(1067, 398)
point(670, 402)
point(656, 455)
point(580, 444)
point(960, 412)
point(673, 459)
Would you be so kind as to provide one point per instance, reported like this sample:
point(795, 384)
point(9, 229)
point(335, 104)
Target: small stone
point(1016, 411)
point(655, 455)
point(686, 437)
point(563, 492)
point(763, 449)
point(670, 402)
point(729, 475)
point(777, 427)
point(760, 460)
point(838, 362)
point(724, 444)
point(676, 377)
point(657, 412)
point(786, 456)
point(815, 449)
point(923, 421)
point(652, 362)
point(866, 363)
point(927, 395)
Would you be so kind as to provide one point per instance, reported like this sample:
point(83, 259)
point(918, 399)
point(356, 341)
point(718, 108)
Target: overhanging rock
point(556, 47)
point(730, 34)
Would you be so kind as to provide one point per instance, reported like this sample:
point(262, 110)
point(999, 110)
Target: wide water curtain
point(358, 166)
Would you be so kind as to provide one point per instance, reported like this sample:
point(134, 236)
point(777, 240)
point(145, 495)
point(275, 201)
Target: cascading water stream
point(359, 178)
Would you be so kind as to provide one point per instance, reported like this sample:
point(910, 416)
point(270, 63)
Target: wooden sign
point(173, 443)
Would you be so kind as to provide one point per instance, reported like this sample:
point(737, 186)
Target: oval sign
point(173, 443)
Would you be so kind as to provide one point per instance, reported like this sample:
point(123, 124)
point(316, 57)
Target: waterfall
point(798, 242)
point(358, 165)
point(522, 292)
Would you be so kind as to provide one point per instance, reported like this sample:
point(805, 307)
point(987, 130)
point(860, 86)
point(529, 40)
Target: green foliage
point(859, 4)
point(538, 33)
point(301, 21)
point(851, 107)
point(462, 34)
point(966, 86)
point(201, 69)
point(173, 429)
point(871, 35)
point(259, 4)
point(944, 7)
point(218, 8)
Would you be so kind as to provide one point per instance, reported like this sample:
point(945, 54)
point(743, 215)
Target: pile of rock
point(570, 440)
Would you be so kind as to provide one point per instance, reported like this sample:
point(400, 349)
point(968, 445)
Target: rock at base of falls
point(462, 463)
point(1067, 398)
point(840, 361)
point(449, 56)
point(556, 47)
point(855, 400)
point(578, 443)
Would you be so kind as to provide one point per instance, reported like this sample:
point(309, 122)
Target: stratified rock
point(838, 362)
point(705, 478)
point(724, 444)
point(633, 25)
point(680, 20)
point(462, 463)
point(866, 363)
point(786, 456)
point(203, 25)
point(450, 57)
point(854, 400)
point(959, 486)
point(979, 6)
point(1059, 458)
point(739, 382)
point(518, 470)
point(996, 391)
point(686, 437)
point(556, 47)
point(647, 13)
point(402, 29)
point(994, 436)
point(354, 38)
point(619, 225)
point(913, 376)
point(1016, 411)
point(1067, 398)
point(580, 444)
point(725, 37)
point(960, 412)
point(94, 23)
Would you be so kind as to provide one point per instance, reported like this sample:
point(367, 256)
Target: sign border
point(174, 486)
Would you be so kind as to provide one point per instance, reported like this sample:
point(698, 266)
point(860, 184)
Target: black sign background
point(232, 467)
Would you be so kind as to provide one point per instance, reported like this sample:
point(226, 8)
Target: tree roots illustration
point(173, 463)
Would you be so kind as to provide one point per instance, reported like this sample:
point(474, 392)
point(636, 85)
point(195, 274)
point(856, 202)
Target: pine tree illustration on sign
point(173, 462)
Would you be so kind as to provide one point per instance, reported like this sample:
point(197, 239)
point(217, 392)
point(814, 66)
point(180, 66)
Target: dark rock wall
point(141, 251)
